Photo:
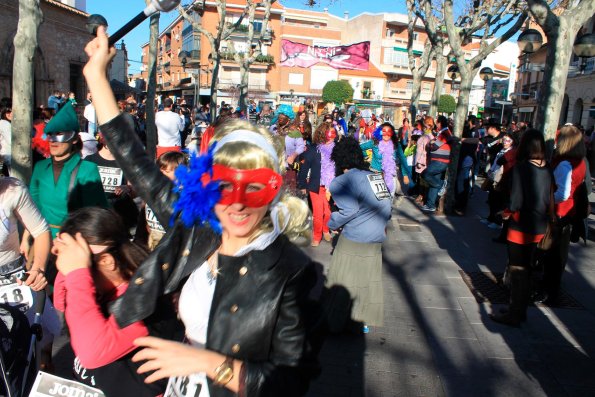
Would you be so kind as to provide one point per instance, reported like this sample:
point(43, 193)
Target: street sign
point(503, 103)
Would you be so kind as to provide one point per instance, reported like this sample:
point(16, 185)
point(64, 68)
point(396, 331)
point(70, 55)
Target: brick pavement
point(438, 340)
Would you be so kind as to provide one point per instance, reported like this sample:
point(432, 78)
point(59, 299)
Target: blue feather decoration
point(377, 133)
point(196, 200)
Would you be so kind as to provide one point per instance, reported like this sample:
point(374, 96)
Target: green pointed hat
point(65, 120)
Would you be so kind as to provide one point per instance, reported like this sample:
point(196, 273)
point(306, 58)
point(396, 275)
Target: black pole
point(133, 23)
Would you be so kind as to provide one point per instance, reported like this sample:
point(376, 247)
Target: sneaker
point(427, 208)
point(494, 226)
point(365, 329)
point(315, 243)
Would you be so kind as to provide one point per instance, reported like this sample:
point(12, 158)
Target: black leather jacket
point(260, 309)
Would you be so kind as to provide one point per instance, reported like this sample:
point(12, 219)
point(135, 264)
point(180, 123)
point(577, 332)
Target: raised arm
point(118, 131)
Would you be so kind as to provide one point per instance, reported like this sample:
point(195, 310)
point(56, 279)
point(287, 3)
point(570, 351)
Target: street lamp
point(453, 72)
point(183, 58)
point(529, 41)
point(584, 47)
point(486, 74)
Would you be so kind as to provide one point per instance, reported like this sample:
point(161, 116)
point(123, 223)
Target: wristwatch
point(224, 372)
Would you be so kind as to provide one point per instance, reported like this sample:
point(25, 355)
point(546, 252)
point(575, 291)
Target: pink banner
point(353, 56)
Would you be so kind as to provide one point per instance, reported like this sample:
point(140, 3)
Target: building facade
point(60, 55)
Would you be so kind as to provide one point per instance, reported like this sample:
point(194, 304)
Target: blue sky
point(118, 12)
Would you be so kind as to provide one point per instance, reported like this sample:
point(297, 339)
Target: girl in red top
point(96, 261)
point(527, 211)
point(569, 170)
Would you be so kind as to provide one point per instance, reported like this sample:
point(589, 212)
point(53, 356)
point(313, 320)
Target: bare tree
point(483, 19)
point(431, 14)
point(560, 29)
point(224, 31)
point(245, 59)
point(23, 80)
point(418, 69)
point(150, 127)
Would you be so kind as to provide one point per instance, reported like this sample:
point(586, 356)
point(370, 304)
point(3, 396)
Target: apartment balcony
point(400, 42)
point(395, 69)
point(576, 65)
point(233, 85)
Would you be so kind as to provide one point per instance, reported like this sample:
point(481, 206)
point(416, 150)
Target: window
point(409, 84)
point(257, 25)
point(389, 33)
point(415, 36)
point(367, 90)
point(398, 58)
point(296, 78)
point(426, 87)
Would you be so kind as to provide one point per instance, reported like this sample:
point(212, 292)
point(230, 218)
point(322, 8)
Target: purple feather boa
point(327, 166)
point(389, 166)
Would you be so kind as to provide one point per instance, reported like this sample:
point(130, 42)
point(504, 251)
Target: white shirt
point(169, 125)
point(5, 140)
point(16, 203)
point(89, 113)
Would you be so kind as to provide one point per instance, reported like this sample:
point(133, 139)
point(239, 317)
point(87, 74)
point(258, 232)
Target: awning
point(415, 52)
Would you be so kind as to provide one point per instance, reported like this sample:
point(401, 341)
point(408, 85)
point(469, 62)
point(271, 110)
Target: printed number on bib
point(152, 220)
point(378, 186)
point(186, 386)
point(16, 295)
point(110, 178)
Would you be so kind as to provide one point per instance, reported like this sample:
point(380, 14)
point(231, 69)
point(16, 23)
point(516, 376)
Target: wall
point(62, 38)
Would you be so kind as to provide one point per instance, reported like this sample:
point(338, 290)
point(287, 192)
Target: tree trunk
point(415, 93)
point(244, 85)
point(23, 78)
point(438, 83)
point(463, 103)
point(150, 127)
point(214, 84)
point(559, 52)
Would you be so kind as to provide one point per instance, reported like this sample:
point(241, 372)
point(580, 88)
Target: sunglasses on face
point(61, 137)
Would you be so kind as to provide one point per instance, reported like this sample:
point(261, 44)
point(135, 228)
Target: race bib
point(187, 386)
point(47, 385)
point(152, 220)
point(110, 178)
point(16, 296)
point(378, 186)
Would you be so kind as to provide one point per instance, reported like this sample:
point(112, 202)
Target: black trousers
point(554, 262)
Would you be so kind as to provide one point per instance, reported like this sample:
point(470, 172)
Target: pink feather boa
point(389, 166)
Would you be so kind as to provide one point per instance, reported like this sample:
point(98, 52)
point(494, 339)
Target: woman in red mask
point(228, 249)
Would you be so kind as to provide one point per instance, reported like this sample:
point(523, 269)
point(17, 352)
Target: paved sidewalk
point(437, 340)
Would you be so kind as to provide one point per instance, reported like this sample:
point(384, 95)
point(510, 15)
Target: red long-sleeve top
point(95, 339)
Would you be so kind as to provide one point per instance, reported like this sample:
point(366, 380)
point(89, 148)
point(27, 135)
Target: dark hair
point(168, 103)
point(307, 135)
point(170, 159)
point(393, 137)
point(443, 121)
point(347, 154)
point(532, 146)
point(4, 111)
point(405, 120)
point(100, 226)
point(320, 133)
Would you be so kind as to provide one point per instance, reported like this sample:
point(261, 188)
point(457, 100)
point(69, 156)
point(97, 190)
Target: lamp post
point(486, 74)
point(529, 42)
point(584, 47)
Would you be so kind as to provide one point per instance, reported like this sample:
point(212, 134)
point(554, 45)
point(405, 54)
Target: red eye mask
point(245, 186)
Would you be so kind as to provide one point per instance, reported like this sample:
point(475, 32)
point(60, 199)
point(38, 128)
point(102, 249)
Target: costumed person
point(422, 157)
point(569, 168)
point(293, 141)
point(265, 116)
point(439, 158)
point(382, 146)
point(339, 122)
point(364, 208)
point(64, 182)
point(528, 213)
point(96, 261)
point(324, 139)
point(239, 342)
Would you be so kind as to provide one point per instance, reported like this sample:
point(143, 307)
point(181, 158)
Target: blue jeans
point(463, 185)
point(433, 176)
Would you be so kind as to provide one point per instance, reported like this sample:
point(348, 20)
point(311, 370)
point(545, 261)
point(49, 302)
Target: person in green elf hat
point(64, 182)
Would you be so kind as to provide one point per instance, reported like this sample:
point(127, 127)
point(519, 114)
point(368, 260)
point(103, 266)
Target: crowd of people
point(181, 274)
